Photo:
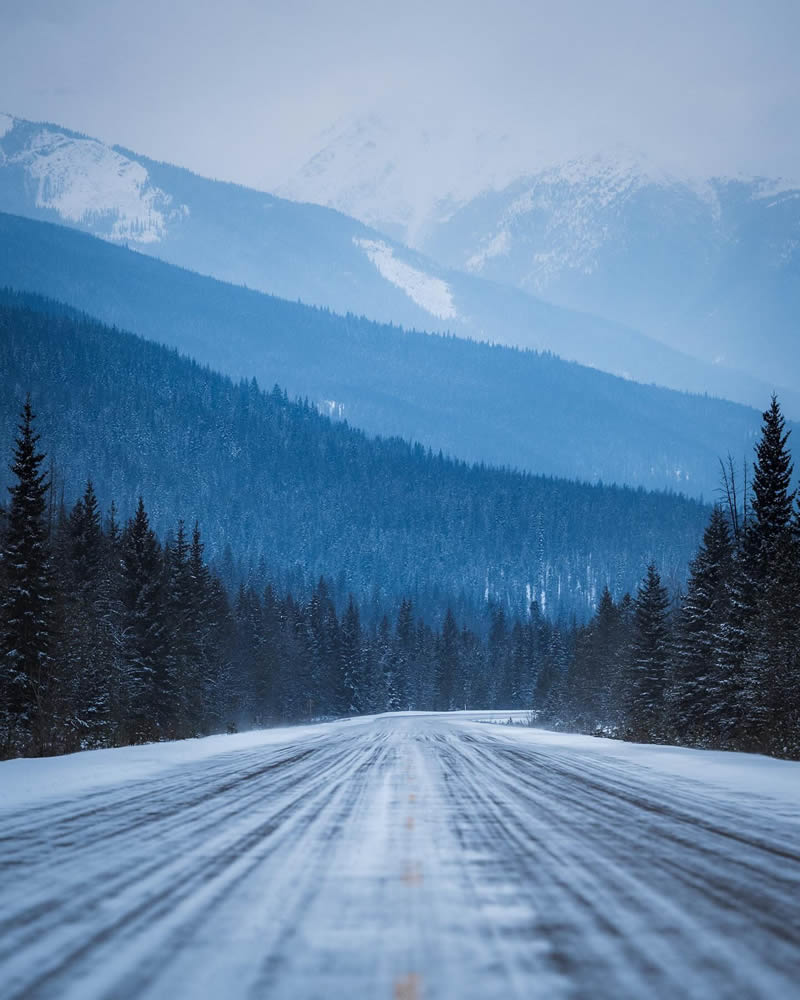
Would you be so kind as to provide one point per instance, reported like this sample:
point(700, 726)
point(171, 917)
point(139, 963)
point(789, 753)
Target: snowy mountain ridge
point(325, 258)
point(63, 176)
point(707, 264)
point(87, 182)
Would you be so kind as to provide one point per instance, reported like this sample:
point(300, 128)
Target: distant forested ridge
point(475, 401)
point(109, 637)
point(285, 495)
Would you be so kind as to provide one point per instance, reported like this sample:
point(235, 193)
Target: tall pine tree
point(768, 605)
point(27, 681)
point(697, 689)
point(649, 663)
point(148, 684)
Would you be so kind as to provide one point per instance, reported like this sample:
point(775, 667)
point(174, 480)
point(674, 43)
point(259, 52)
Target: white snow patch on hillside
point(773, 187)
point(498, 246)
point(430, 293)
point(6, 124)
point(86, 182)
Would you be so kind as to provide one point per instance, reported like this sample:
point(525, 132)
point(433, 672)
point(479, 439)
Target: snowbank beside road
point(749, 776)
point(29, 781)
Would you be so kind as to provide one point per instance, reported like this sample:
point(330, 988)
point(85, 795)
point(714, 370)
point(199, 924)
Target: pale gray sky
point(241, 89)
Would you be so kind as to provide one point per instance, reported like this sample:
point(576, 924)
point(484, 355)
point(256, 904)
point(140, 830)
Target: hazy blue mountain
point(296, 495)
point(306, 252)
point(480, 403)
point(708, 265)
point(711, 268)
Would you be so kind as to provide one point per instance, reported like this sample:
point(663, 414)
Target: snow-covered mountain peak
point(400, 174)
point(87, 182)
point(407, 175)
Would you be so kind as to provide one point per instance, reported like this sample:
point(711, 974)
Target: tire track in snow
point(402, 857)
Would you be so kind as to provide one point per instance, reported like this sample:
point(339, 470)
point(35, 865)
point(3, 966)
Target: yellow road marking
point(408, 988)
point(412, 874)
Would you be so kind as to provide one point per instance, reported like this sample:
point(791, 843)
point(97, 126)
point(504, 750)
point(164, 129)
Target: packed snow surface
point(430, 293)
point(400, 856)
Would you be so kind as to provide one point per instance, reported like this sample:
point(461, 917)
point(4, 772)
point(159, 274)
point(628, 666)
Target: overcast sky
point(242, 89)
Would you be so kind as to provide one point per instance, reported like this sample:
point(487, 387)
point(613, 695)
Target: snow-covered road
point(400, 857)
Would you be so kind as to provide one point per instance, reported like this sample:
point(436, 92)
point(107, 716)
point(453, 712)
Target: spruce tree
point(353, 680)
point(768, 606)
point(149, 692)
point(551, 683)
point(649, 664)
point(598, 650)
point(757, 643)
point(183, 650)
point(404, 646)
point(697, 689)
point(87, 652)
point(499, 667)
point(26, 682)
point(446, 663)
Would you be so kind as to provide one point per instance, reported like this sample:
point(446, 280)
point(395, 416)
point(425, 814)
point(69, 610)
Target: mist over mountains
point(323, 257)
point(709, 265)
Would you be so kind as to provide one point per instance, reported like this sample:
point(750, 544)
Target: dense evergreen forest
point(523, 409)
point(110, 637)
point(721, 668)
point(285, 495)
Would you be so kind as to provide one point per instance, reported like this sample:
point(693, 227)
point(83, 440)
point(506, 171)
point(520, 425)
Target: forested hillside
point(283, 493)
point(477, 402)
point(111, 637)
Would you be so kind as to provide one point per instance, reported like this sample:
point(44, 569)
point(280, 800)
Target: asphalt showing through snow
point(408, 857)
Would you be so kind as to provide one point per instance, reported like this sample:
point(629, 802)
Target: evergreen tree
point(148, 684)
point(645, 716)
point(550, 692)
point(446, 663)
point(353, 679)
point(698, 690)
point(204, 630)
point(768, 603)
point(404, 654)
point(499, 667)
point(87, 650)
point(250, 663)
point(181, 614)
point(27, 680)
point(593, 668)
point(386, 699)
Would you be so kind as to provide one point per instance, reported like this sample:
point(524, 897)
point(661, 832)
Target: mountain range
point(284, 493)
point(307, 252)
point(477, 402)
point(708, 265)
